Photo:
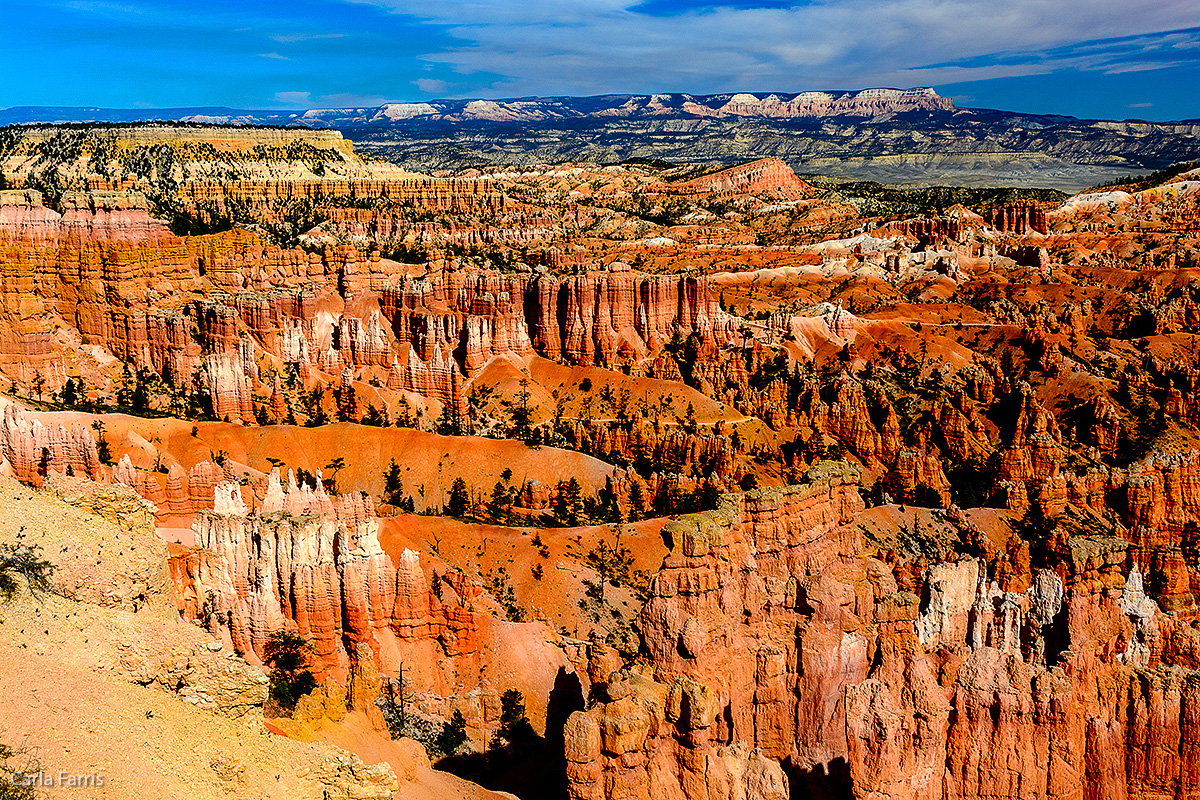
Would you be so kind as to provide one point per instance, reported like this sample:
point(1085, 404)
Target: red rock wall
point(772, 630)
point(1018, 219)
point(30, 450)
point(128, 285)
point(313, 564)
point(766, 176)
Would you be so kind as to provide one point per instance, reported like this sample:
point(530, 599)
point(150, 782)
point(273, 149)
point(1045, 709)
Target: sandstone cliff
point(783, 650)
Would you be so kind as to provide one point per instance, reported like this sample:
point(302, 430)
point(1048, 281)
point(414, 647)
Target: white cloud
point(430, 85)
point(595, 46)
point(274, 55)
point(288, 38)
point(294, 99)
point(1144, 66)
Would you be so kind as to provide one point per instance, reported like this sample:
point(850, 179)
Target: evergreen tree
point(393, 486)
point(514, 730)
point(71, 391)
point(288, 654)
point(140, 399)
point(453, 735)
point(125, 390)
point(637, 500)
point(103, 451)
point(460, 499)
point(375, 418)
point(521, 413)
point(449, 422)
point(569, 504)
point(499, 502)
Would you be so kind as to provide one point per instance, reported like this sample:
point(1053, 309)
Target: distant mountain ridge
point(775, 105)
point(888, 135)
point(772, 105)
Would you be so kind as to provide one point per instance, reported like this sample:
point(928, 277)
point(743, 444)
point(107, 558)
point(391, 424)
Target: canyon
point(745, 488)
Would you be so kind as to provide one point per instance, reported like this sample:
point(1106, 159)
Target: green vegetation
point(288, 656)
point(885, 200)
point(501, 588)
point(459, 502)
point(393, 489)
point(614, 564)
point(453, 734)
point(514, 731)
point(15, 764)
point(22, 563)
point(1149, 181)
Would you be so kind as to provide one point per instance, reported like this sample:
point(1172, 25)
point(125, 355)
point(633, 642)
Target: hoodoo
point(594, 481)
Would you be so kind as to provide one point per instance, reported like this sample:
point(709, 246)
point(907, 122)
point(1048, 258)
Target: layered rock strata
point(780, 645)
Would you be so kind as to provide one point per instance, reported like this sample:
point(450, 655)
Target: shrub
point(15, 764)
point(288, 654)
point(453, 735)
point(514, 730)
point(22, 562)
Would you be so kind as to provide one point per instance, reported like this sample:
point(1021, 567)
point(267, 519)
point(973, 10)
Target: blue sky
point(1102, 58)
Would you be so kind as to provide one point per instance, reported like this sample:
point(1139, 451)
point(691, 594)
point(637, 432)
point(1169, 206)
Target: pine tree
point(637, 500)
point(460, 500)
point(288, 655)
point(140, 399)
point(569, 506)
point(453, 735)
point(393, 486)
point(514, 729)
point(499, 500)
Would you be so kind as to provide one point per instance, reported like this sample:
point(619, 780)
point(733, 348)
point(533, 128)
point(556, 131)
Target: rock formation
point(306, 562)
point(777, 639)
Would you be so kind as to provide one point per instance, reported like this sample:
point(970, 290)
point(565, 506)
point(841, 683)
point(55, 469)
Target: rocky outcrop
point(99, 538)
point(345, 776)
point(294, 566)
point(1018, 218)
point(114, 502)
point(717, 714)
point(867, 102)
point(766, 176)
point(204, 676)
point(125, 283)
point(229, 386)
point(86, 217)
point(179, 493)
point(780, 647)
point(603, 318)
point(306, 562)
point(31, 450)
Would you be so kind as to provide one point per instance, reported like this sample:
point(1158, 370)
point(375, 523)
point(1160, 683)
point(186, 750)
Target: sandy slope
point(426, 459)
point(68, 697)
